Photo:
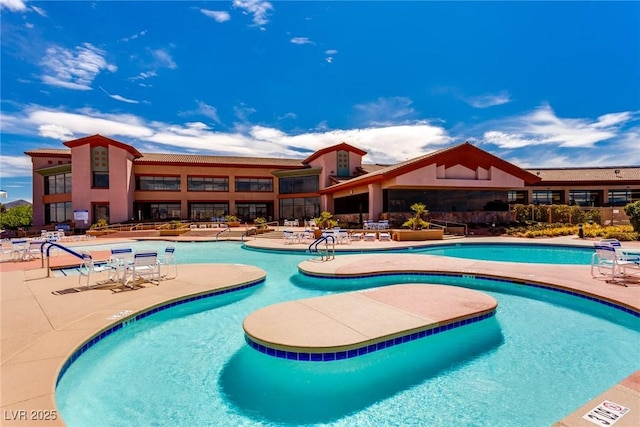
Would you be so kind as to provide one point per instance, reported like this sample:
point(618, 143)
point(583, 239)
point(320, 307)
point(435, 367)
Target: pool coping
point(43, 333)
point(33, 350)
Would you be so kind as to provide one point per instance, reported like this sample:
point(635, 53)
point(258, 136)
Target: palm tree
point(416, 222)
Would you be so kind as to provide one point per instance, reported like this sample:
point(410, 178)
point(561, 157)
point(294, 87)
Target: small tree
point(633, 212)
point(416, 222)
point(17, 216)
point(325, 220)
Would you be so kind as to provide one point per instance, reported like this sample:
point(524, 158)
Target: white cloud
point(144, 76)
point(11, 166)
point(301, 40)
point(119, 98)
point(208, 111)
point(74, 69)
point(543, 127)
point(386, 110)
point(39, 11)
point(330, 52)
point(13, 5)
point(135, 36)
point(164, 59)
point(523, 140)
point(258, 8)
point(217, 15)
point(488, 100)
point(329, 59)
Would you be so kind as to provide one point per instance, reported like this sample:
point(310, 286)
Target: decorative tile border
point(116, 327)
point(366, 349)
point(631, 311)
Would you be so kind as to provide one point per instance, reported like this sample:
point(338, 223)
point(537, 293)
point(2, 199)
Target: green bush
point(633, 212)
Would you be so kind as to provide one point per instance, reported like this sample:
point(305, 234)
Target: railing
point(248, 232)
point(53, 245)
point(225, 230)
point(447, 224)
point(313, 247)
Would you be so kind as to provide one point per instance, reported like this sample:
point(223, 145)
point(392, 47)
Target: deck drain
point(66, 291)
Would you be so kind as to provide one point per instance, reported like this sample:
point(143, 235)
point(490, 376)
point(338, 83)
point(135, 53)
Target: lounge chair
point(356, 236)
point(384, 237)
point(369, 237)
point(144, 267)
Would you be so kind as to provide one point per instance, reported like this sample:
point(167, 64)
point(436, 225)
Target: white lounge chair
point(369, 237)
point(383, 236)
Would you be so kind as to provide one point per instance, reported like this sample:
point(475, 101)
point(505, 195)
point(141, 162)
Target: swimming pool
point(189, 365)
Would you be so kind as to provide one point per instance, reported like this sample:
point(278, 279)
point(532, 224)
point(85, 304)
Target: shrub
point(416, 222)
point(100, 224)
point(325, 220)
point(633, 212)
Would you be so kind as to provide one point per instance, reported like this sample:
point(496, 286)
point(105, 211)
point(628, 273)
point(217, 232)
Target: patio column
point(375, 201)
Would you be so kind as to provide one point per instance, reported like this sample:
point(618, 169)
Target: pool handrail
point(313, 247)
point(52, 245)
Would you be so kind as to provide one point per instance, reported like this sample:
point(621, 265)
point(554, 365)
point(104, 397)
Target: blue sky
point(540, 84)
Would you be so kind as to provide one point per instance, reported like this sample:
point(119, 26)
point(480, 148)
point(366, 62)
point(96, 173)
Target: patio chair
point(33, 250)
point(118, 261)
point(88, 267)
point(144, 267)
point(168, 259)
point(290, 237)
point(608, 262)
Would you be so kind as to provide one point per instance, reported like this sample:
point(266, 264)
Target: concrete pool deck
point(40, 331)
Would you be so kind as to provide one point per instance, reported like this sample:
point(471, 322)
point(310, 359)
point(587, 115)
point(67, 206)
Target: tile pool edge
point(355, 351)
point(482, 276)
point(128, 318)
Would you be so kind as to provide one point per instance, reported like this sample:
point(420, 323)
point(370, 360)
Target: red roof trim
point(341, 146)
point(98, 139)
point(464, 154)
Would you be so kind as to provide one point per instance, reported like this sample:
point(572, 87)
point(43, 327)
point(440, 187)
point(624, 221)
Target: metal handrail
point(53, 245)
point(228, 230)
point(313, 247)
point(446, 224)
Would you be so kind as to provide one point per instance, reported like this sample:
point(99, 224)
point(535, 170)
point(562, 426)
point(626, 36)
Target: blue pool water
point(542, 356)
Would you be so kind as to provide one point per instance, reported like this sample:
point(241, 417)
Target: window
point(206, 211)
point(58, 212)
point(100, 167)
point(195, 183)
point(254, 184)
point(301, 207)
point(518, 197)
point(100, 211)
point(547, 197)
point(250, 211)
point(57, 184)
point(158, 183)
point(165, 210)
point(100, 179)
point(584, 198)
point(342, 163)
point(623, 197)
point(299, 184)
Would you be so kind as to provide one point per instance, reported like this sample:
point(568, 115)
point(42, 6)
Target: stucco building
point(98, 177)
